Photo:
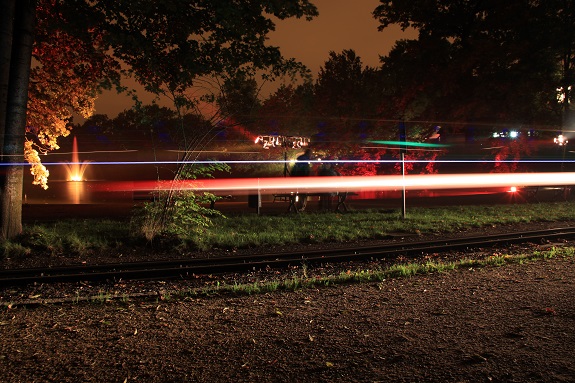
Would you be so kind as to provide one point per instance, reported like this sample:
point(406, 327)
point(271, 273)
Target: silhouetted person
point(327, 169)
point(301, 168)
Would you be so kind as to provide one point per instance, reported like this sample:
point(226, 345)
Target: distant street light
point(562, 141)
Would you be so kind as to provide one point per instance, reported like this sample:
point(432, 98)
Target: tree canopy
point(478, 60)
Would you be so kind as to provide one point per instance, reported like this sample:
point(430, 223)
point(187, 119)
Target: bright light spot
point(562, 95)
point(268, 141)
point(560, 140)
point(513, 189)
point(75, 169)
point(506, 134)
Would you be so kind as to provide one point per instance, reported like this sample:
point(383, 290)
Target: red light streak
point(355, 183)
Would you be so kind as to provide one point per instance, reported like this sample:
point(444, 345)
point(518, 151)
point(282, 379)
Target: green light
point(412, 144)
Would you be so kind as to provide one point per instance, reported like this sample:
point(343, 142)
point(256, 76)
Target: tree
point(477, 59)
point(339, 86)
point(147, 120)
point(20, 41)
point(70, 66)
point(169, 46)
point(237, 106)
point(6, 36)
point(410, 76)
point(63, 77)
point(483, 62)
point(288, 111)
point(98, 124)
point(346, 96)
point(174, 45)
point(239, 98)
point(559, 21)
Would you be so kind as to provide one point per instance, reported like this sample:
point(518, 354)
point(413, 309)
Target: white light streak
point(390, 161)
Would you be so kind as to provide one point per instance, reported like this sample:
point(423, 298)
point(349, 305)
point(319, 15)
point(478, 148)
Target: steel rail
point(181, 268)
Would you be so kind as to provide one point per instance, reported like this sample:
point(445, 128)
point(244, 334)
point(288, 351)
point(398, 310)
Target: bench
point(561, 192)
point(293, 199)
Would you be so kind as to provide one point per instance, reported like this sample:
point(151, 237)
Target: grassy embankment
point(243, 231)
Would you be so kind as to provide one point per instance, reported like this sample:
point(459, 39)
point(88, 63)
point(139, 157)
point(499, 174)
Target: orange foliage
point(66, 75)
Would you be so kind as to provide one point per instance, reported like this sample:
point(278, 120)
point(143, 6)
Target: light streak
point(94, 151)
point(394, 148)
point(410, 143)
point(362, 161)
point(349, 183)
point(209, 151)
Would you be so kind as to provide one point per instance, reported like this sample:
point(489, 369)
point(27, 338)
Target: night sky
point(342, 24)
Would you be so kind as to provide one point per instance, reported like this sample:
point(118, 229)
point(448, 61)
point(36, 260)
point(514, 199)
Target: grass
point(250, 231)
point(408, 270)
point(83, 237)
point(86, 237)
point(380, 275)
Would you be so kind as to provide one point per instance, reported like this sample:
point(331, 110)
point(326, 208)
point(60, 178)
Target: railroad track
point(183, 268)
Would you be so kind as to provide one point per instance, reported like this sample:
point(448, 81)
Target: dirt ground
point(499, 324)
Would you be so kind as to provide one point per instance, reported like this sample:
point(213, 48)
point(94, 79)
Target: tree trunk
point(13, 154)
point(6, 34)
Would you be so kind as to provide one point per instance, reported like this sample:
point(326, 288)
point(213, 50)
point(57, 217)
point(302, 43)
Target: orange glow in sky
point(341, 25)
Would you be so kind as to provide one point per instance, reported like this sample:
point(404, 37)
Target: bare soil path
point(508, 324)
